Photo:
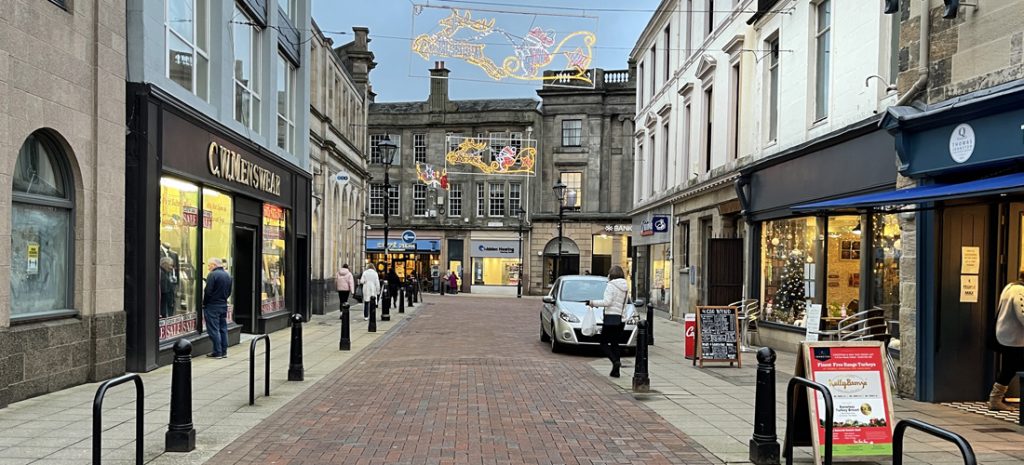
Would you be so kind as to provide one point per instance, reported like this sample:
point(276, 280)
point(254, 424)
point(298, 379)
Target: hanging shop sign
point(660, 223)
point(228, 164)
point(494, 249)
point(961, 143)
point(855, 374)
point(646, 228)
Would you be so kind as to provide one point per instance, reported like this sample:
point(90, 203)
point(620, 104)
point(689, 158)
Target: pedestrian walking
point(371, 289)
point(344, 283)
point(616, 294)
point(1009, 341)
point(453, 281)
point(394, 282)
point(215, 307)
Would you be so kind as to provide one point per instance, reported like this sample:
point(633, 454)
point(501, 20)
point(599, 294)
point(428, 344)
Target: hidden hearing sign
point(856, 376)
point(718, 336)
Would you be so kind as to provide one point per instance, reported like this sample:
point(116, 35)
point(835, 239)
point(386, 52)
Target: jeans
point(369, 305)
point(216, 318)
point(343, 297)
point(611, 334)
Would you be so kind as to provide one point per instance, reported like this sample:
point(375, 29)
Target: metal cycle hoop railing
point(252, 367)
point(97, 415)
point(901, 429)
point(795, 383)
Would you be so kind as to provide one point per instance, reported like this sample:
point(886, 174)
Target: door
point(725, 271)
point(246, 310)
point(962, 358)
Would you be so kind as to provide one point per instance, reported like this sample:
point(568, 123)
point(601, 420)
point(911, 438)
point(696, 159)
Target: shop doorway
point(569, 264)
point(725, 271)
point(245, 279)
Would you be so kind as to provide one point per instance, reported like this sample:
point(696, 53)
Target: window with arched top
point(42, 241)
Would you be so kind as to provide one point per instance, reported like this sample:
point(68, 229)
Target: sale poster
point(855, 374)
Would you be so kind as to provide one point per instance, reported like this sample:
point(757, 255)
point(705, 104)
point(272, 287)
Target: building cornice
point(720, 182)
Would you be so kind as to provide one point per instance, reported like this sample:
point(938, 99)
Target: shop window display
point(179, 221)
point(274, 221)
point(496, 271)
point(661, 277)
point(217, 234)
point(843, 266)
point(886, 254)
point(788, 256)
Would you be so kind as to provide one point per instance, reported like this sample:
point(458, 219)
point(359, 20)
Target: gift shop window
point(790, 253)
point(274, 229)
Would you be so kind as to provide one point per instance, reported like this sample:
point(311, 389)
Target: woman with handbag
point(616, 294)
point(344, 283)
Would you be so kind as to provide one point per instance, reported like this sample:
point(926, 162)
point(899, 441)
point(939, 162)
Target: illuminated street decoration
point(470, 156)
point(519, 57)
point(429, 176)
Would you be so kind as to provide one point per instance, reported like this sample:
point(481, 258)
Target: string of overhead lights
point(609, 10)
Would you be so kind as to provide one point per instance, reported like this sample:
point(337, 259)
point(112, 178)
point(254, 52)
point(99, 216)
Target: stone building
point(62, 113)
point(472, 227)
point(587, 144)
point(217, 167)
point(340, 96)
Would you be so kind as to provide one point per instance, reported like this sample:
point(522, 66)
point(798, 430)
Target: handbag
point(589, 326)
point(358, 294)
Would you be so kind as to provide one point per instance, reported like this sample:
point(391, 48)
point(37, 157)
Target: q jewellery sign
point(228, 164)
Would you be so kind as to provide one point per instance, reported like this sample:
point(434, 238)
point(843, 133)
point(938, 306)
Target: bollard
point(764, 446)
point(295, 370)
point(641, 378)
point(650, 324)
point(401, 299)
point(408, 295)
point(181, 433)
point(385, 309)
point(416, 293)
point(372, 326)
point(345, 343)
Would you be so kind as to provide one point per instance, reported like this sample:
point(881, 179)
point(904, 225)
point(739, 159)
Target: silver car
point(562, 314)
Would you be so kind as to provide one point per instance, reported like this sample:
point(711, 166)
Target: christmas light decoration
point(429, 176)
point(471, 156)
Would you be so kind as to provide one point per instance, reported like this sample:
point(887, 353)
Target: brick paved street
point(465, 381)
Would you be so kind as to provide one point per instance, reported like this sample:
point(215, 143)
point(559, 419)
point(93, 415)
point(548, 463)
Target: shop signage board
point(812, 322)
point(646, 228)
point(856, 375)
point(494, 249)
point(717, 336)
point(660, 223)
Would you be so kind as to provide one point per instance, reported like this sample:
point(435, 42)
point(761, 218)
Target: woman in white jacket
point(371, 289)
point(616, 296)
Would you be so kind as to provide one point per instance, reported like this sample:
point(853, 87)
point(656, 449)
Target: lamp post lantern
point(559, 189)
point(521, 215)
point(387, 157)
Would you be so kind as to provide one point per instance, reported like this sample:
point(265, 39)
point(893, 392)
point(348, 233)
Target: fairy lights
point(471, 156)
point(429, 176)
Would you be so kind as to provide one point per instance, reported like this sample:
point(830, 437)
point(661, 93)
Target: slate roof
point(481, 105)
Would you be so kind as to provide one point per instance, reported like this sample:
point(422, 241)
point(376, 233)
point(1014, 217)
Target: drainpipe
point(922, 79)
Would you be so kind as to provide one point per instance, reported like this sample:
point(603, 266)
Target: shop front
point(197, 192)
point(494, 265)
point(652, 257)
point(421, 257)
point(843, 262)
point(967, 209)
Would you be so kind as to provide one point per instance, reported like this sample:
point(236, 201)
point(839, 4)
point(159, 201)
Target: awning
point(930, 193)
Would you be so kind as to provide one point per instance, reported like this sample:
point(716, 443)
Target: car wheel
point(556, 346)
point(543, 335)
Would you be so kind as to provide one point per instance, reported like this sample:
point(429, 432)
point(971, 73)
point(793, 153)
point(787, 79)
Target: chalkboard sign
point(718, 335)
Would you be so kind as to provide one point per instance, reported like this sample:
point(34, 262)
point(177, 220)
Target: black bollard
point(181, 433)
point(372, 326)
point(295, 370)
point(764, 446)
point(409, 294)
point(401, 299)
point(650, 324)
point(346, 341)
point(385, 310)
point(641, 379)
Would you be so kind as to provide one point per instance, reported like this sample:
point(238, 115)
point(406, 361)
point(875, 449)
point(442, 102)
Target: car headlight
point(568, 317)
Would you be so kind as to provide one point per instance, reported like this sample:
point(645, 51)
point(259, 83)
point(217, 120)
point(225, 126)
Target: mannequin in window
point(168, 287)
point(167, 252)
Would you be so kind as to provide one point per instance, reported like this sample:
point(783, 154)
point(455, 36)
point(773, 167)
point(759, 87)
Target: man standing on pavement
point(371, 289)
point(215, 307)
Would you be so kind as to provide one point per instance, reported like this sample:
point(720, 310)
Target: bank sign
point(494, 249)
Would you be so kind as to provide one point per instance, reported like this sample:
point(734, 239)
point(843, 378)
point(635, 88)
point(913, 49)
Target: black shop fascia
point(195, 190)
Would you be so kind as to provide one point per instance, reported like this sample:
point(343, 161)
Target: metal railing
point(252, 367)
point(797, 382)
point(901, 429)
point(97, 415)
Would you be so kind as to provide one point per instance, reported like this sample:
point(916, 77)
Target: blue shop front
point(962, 215)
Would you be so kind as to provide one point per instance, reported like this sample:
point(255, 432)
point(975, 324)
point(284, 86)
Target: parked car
point(561, 316)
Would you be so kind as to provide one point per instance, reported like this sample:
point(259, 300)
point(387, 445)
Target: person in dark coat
point(168, 287)
point(394, 282)
point(215, 307)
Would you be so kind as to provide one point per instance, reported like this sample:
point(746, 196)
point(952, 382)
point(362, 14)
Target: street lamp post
point(521, 214)
point(387, 157)
point(559, 189)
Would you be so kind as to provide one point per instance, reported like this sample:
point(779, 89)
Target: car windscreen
point(581, 290)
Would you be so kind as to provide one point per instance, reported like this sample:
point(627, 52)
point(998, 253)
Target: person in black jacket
point(215, 307)
point(168, 287)
point(394, 282)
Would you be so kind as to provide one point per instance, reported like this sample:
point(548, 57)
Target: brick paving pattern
point(465, 381)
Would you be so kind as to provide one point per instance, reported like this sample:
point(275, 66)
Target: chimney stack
point(438, 87)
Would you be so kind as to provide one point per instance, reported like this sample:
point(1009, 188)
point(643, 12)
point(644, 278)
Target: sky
point(401, 75)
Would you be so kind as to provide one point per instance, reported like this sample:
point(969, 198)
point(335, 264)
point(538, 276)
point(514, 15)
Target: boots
point(995, 398)
point(615, 369)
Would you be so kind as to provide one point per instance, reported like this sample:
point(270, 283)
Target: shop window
point(419, 148)
point(572, 132)
point(285, 104)
point(515, 197)
point(496, 271)
point(419, 200)
point(246, 39)
point(842, 268)
point(187, 34)
point(180, 267)
point(218, 233)
point(41, 233)
point(886, 252)
point(455, 200)
point(789, 252)
point(573, 189)
point(497, 199)
point(272, 298)
point(602, 260)
point(661, 276)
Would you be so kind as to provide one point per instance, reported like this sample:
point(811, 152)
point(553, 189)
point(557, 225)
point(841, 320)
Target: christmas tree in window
point(790, 299)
